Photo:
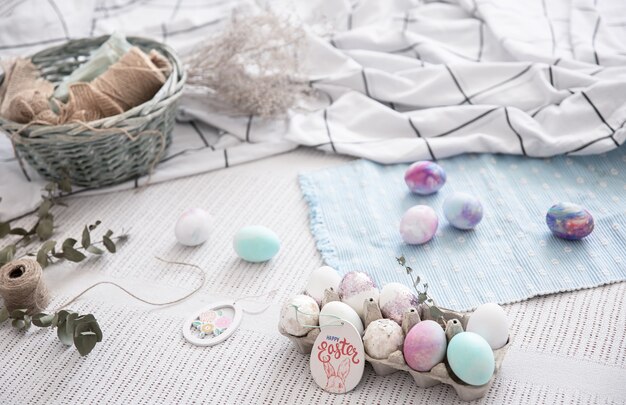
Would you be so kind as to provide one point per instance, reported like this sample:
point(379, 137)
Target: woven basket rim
point(172, 88)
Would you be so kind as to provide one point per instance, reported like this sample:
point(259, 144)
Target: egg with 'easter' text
point(424, 346)
point(320, 280)
point(299, 314)
point(355, 288)
point(491, 322)
point(395, 299)
point(336, 311)
point(193, 227)
point(471, 358)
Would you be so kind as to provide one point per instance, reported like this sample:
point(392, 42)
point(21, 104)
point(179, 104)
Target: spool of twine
point(22, 286)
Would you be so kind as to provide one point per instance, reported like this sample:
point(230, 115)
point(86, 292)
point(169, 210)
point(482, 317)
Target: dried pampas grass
point(252, 67)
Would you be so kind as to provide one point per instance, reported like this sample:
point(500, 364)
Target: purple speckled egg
point(418, 225)
point(355, 288)
point(569, 221)
point(425, 177)
point(395, 299)
point(425, 346)
point(463, 211)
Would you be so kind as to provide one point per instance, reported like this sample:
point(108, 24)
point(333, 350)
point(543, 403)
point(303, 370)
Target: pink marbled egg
point(425, 346)
point(418, 225)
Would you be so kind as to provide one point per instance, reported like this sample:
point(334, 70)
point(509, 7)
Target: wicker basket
point(109, 150)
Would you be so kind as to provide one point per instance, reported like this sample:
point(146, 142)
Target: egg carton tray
point(439, 374)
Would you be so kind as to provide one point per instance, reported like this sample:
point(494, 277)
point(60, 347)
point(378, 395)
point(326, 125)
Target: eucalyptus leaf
point(108, 244)
point(108, 233)
point(64, 337)
point(42, 320)
point(55, 320)
point(45, 228)
point(86, 239)
point(65, 185)
point(42, 254)
point(85, 319)
point(62, 316)
point(69, 242)
point(4, 314)
point(7, 253)
point(44, 208)
point(19, 231)
point(5, 229)
point(95, 250)
point(70, 324)
point(435, 312)
point(73, 255)
point(421, 297)
point(85, 342)
point(18, 323)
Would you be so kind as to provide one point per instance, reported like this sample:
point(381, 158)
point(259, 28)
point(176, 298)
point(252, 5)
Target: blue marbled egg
point(471, 358)
point(463, 211)
point(569, 221)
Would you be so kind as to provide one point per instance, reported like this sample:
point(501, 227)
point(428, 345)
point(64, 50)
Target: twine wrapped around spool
point(22, 286)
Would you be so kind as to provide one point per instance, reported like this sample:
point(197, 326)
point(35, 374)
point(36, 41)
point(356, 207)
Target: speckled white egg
point(298, 314)
point(321, 279)
point(355, 288)
point(395, 299)
point(336, 311)
point(193, 227)
point(382, 337)
point(490, 322)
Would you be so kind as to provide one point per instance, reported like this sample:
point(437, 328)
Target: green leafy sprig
point(43, 229)
point(422, 295)
point(82, 331)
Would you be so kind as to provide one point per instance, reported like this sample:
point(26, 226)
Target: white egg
point(382, 337)
point(355, 288)
point(193, 227)
point(395, 299)
point(299, 314)
point(321, 279)
point(490, 322)
point(336, 311)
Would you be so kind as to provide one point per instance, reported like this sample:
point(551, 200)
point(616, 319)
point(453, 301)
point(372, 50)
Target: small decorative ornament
point(395, 299)
point(193, 227)
point(299, 314)
point(418, 225)
point(425, 346)
point(490, 322)
point(425, 177)
point(463, 211)
point(320, 280)
point(256, 243)
point(355, 288)
point(338, 310)
point(383, 337)
point(213, 325)
point(337, 357)
point(471, 358)
point(569, 221)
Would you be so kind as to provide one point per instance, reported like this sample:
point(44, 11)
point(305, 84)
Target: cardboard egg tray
point(440, 373)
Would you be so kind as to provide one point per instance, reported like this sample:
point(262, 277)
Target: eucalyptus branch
point(422, 295)
point(83, 331)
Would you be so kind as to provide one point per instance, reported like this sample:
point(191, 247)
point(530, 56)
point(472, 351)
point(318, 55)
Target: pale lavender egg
point(425, 177)
point(463, 211)
point(425, 346)
point(395, 299)
point(355, 288)
point(418, 224)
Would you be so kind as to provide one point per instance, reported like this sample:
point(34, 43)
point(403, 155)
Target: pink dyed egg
point(418, 224)
point(425, 346)
point(425, 177)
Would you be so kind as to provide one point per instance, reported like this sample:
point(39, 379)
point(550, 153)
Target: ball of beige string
point(22, 286)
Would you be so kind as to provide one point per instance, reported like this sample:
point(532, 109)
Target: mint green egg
point(470, 357)
point(256, 243)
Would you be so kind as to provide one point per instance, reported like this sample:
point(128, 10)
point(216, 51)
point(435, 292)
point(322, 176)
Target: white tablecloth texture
point(567, 348)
